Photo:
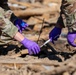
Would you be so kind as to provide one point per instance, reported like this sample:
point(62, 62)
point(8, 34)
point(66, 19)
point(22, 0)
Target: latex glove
point(71, 38)
point(32, 47)
point(20, 24)
point(54, 34)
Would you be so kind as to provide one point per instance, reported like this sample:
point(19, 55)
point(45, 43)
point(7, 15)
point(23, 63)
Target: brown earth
point(54, 59)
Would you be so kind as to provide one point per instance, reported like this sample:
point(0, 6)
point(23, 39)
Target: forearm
point(19, 37)
point(60, 23)
point(13, 18)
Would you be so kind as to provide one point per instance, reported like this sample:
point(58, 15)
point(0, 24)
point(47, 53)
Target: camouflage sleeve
point(68, 14)
point(60, 21)
point(4, 5)
point(6, 26)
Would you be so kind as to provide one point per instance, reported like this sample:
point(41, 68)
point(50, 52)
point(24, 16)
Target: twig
point(40, 30)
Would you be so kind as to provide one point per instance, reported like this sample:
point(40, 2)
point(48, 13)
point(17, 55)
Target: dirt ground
point(54, 59)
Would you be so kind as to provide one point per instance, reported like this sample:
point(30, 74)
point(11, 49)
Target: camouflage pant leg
point(68, 10)
point(71, 22)
point(7, 29)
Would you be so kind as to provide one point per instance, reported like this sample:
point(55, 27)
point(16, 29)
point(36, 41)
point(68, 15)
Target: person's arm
point(19, 37)
point(32, 47)
point(19, 23)
point(56, 31)
point(60, 23)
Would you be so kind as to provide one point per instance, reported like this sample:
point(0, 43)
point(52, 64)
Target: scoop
point(45, 43)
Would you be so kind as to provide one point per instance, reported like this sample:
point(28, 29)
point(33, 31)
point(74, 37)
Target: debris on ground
point(54, 59)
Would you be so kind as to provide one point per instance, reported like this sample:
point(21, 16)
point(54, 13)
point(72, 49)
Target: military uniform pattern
point(68, 15)
point(7, 28)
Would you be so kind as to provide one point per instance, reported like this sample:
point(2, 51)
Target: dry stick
point(40, 30)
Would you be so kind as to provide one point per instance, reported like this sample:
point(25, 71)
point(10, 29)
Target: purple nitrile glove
point(32, 47)
point(54, 34)
point(71, 38)
point(20, 24)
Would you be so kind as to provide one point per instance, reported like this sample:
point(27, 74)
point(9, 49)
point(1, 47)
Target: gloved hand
point(32, 47)
point(71, 38)
point(54, 34)
point(20, 24)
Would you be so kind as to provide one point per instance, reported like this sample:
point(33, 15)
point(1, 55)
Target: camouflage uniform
point(7, 29)
point(68, 15)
